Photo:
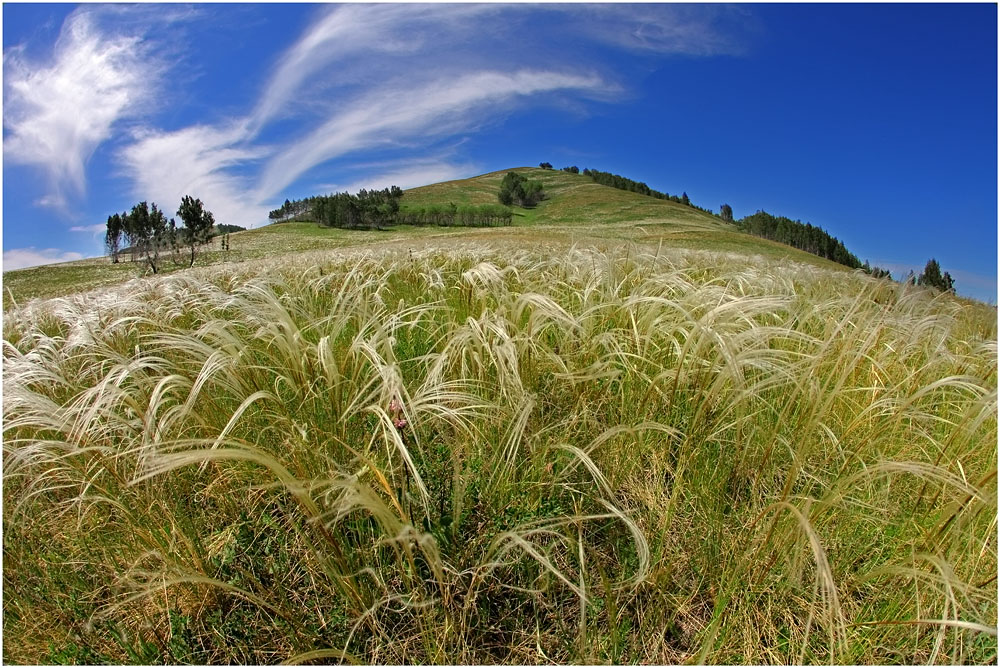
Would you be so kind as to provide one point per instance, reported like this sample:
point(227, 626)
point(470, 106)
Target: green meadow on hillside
point(576, 209)
point(572, 199)
point(617, 431)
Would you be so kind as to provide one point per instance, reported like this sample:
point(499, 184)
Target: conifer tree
point(113, 237)
point(933, 277)
point(197, 220)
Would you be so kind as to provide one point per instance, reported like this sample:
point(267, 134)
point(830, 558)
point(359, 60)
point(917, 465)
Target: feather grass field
point(501, 453)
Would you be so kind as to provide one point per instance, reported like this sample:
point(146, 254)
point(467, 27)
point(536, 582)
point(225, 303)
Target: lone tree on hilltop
point(726, 213)
point(197, 221)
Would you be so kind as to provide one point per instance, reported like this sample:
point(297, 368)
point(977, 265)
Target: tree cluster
point(381, 208)
point(145, 231)
point(932, 277)
point(228, 229)
point(572, 170)
point(545, 165)
point(518, 189)
point(369, 209)
point(484, 215)
point(876, 272)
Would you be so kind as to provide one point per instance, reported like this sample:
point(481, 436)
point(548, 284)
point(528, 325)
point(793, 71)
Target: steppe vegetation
point(514, 450)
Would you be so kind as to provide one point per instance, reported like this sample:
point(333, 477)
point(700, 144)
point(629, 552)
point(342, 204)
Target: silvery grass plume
point(494, 453)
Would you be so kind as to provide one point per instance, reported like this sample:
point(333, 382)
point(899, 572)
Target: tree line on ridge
point(377, 209)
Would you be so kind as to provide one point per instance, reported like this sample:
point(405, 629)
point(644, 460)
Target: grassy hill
point(576, 209)
point(572, 199)
point(637, 437)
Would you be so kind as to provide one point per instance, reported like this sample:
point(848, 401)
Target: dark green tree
point(726, 213)
point(113, 237)
point(143, 230)
point(515, 188)
point(130, 234)
point(545, 165)
point(933, 277)
point(197, 221)
point(158, 236)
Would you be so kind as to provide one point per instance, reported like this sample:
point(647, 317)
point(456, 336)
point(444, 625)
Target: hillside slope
point(576, 210)
point(571, 199)
point(575, 207)
point(583, 438)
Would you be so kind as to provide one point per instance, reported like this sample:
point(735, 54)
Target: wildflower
point(396, 409)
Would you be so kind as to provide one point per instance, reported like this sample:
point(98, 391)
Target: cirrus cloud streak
point(388, 80)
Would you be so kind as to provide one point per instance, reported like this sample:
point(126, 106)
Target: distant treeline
point(794, 233)
point(483, 215)
point(806, 237)
point(292, 210)
point(225, 229)
point(623, 183)
point(368, 209)
point(376, 209)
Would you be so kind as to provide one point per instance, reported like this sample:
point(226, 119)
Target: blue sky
point(876, 122)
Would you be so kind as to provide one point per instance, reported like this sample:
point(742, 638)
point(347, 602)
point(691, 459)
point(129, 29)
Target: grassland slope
point(515, 448)
point(576, 210)
point(626, 434)
point(571, 199)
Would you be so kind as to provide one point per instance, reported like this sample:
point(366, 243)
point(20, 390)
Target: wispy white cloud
point(392, 79)
point(440, 108)
point(57, 114)
point(53, 201)
point(406, 175)
point(98, 228)
point(376, 32)
point(196, 161)
point(19, 258)
point(695, 30)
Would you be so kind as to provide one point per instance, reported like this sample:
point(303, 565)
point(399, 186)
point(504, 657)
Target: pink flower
point(396, 408)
